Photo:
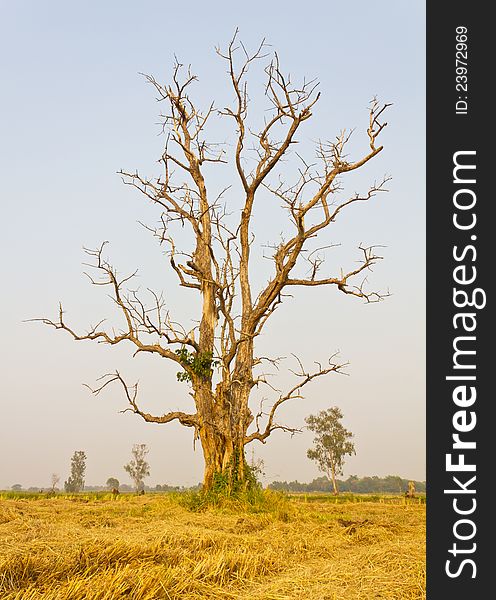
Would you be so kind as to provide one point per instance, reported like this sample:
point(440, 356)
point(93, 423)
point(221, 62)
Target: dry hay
point(150, 548)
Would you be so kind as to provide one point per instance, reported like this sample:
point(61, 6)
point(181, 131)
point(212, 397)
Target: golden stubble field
point(152, 547)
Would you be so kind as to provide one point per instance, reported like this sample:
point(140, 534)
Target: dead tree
point(217, 357)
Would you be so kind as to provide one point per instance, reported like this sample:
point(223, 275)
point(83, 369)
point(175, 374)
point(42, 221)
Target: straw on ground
point(153, 547)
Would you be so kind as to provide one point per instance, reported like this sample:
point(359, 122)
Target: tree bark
point(222, 443)
point(334, 482)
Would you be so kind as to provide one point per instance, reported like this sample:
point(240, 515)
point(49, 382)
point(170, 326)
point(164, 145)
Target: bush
point(248, 497)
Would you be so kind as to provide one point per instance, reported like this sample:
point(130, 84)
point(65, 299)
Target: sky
point(74, 110)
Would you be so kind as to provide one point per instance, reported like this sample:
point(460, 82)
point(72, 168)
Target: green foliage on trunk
point(200, 363)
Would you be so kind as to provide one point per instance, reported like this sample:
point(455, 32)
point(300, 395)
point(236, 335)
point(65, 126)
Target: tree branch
point(131, 393)
point(136, 316)
point(294, 392)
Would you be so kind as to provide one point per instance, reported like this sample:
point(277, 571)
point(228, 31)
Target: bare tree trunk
point(222, 429)
point(225, 462)
point(334, 482)
point(223, 442)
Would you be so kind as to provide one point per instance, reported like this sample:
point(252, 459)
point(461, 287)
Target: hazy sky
point(74, 110)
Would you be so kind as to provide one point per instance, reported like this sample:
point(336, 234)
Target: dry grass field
point(152, 547)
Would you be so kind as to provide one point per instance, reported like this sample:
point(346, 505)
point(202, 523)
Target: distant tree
point(138, 468)
point(394, 484)
point(352, 482)
point(75, 483)
point(17, 487)
point(54, 479)
point(256, 467)
point(279, 486)
point(320, 484)
point(112, 483)
point(331, 443)
point(167, 488)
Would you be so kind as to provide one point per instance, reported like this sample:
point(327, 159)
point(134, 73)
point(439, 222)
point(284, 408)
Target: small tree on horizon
point(112, 483)
point(331, 443)
point(54, 480)
point(138, 468)
point(75, 483)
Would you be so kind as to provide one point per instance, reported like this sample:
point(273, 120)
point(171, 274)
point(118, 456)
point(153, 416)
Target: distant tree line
point(122, 487)
point(391, 484)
